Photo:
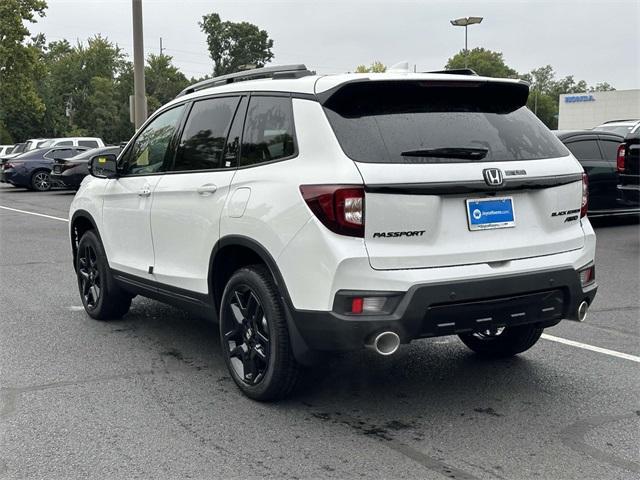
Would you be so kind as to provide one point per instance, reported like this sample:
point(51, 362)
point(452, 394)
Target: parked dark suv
point(628, 166)
point(597, 152)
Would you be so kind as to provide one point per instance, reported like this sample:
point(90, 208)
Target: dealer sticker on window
point(488, 213)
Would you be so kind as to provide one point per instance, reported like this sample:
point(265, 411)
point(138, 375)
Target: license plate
point(489, 213)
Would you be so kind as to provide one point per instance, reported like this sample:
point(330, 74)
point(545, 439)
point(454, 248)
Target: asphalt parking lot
point(149, 396)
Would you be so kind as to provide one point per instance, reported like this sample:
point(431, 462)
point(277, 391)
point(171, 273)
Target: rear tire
point(41, 181)
point(101, 298)
point(502, 343)
point(254, 336)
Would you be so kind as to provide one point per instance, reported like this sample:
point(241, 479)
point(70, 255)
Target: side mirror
point(103, 166)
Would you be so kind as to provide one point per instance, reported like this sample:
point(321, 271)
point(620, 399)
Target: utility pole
point(140, 100)
point(160, 45)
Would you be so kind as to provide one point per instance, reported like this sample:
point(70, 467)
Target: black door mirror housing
point(103, 166)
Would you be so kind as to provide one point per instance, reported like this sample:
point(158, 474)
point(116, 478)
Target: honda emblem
point(493, 176)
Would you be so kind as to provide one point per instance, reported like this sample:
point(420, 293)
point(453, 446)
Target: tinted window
point(62, 153)
point(151, 148)
point(205, 134)
point(88, 143)
point(378, 121)
point(585, 149)
point(610, 149)
point(232, 149)
point(268, 130)
point(64, 142)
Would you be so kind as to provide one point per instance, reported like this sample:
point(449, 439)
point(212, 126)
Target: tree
point(376, 67)
point(21, 108)
point(484, 62)
point(234, 46)
point(602, 87)
point(163, 81)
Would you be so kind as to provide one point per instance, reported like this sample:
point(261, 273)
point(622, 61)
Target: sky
point(594, 40)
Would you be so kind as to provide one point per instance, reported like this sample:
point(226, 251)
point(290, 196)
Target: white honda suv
point(312, 214)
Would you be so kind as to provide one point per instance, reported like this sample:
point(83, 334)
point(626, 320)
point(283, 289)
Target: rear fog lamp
point(587, 275)
point(364, 305)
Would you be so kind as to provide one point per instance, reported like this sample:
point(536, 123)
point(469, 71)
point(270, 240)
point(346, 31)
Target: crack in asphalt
point(573, 437)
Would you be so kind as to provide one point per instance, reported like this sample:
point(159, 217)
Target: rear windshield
point(378, 121)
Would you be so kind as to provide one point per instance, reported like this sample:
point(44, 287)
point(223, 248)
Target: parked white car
point(5, 149)
point(621, 127)
point(313, 214)
point(89, 142)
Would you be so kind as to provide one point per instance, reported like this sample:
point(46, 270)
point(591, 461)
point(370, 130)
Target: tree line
point(57, 89)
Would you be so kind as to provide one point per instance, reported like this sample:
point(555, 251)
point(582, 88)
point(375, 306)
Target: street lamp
point(465, 22)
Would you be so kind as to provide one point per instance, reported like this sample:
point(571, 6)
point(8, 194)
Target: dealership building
point(587, 110)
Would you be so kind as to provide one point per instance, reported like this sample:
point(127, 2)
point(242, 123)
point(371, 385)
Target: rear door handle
point(206, 189)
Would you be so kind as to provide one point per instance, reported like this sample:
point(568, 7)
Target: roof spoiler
point(275, 72)
point(456, 71)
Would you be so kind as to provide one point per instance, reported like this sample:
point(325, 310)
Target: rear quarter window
point(377, 121)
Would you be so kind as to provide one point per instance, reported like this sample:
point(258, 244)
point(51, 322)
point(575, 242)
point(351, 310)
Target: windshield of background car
point(376, 121)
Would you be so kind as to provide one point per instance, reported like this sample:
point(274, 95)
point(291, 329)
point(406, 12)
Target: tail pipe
point(385, 343)
point(582, 311)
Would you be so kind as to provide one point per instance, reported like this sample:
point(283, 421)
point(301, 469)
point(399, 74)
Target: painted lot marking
point(551, 338)
point(34, 213)
point(585, 346)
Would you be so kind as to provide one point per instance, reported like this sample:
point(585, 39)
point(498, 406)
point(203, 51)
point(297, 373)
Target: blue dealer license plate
point(488, 213)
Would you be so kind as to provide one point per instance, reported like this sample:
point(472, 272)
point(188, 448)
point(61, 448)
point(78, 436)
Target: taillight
point(620, 158)
point(340, 208)
point(8, 165)
point(585, 195)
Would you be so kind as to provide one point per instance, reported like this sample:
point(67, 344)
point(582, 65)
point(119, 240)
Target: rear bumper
point(629, 194)
point(447, 308)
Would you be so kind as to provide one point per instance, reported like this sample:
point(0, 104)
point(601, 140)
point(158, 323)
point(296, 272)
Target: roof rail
point(275, 72)
point(622, 120)
point(456, 71)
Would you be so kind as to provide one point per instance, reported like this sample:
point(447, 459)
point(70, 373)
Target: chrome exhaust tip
point(582, 311)
point(385, 343)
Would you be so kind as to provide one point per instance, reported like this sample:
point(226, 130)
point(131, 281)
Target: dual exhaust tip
point(385, 343)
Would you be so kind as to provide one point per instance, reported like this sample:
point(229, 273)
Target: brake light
point(8, 165)
point(585, 196)
point(340, 208)
point(620, 158)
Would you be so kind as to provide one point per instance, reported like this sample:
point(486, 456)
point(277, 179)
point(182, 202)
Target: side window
point(268, 130)
point(151, 147)
point(232, 148)
point(64, 143)
point(609, 149)
point(585, 149)
point(205, 133)
point(88, 143)
point(60, 153)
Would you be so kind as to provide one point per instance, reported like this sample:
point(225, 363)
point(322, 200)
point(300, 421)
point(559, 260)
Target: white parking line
point(34, 213)
point(585, 346)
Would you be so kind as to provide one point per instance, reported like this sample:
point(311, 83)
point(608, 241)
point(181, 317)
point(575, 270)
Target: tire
point(101, 298)
point(40, 181)
point(505, 342)
point(254, 337)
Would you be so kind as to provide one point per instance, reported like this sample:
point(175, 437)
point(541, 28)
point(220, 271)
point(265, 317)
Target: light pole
point(139, 98)
point(465, 22)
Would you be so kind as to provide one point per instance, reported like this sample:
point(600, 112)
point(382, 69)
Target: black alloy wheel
point(89, 276)
point(246, 334)
point(254, 335)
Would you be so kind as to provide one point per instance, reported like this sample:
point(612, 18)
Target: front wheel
point(502, 341)
point(254, 336)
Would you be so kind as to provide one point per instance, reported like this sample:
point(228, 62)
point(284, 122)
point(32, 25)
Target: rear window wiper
point(448, 152)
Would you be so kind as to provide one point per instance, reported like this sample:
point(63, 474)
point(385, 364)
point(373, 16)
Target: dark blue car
point(32, 169)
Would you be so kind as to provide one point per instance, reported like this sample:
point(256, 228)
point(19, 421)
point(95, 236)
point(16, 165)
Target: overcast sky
point(594, 40)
